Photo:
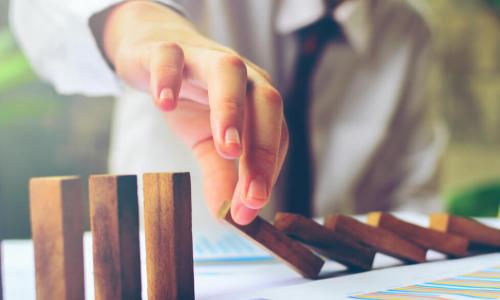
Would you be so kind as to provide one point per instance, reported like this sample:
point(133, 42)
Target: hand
point(223, 106)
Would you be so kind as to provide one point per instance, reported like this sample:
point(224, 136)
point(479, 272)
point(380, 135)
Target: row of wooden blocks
point(57, 229)
point(354, 243)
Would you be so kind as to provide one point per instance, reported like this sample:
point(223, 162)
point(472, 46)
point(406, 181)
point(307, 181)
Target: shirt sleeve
point(56, 38)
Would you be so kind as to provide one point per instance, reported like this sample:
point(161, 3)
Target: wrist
point(137, 21)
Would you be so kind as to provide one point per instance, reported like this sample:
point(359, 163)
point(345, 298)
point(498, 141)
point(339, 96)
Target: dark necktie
point(298, 171)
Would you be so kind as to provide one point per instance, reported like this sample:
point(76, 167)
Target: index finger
point(261, 155)
point(227, 83)
point(225, 76)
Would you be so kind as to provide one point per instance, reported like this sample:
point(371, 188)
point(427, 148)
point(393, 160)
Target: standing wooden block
point(169, 245)
point(114, 220)
point(478, 234)
point(446, 243)
point(341, 248)
point(291, 252)
point(380, 239)
point(56, 209)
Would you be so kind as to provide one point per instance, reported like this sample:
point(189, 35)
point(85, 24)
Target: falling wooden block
point(56, 209)
point(169, 245)
point(114, 220)
point(478, 234)
point(291, 252)
point(381, 240)
point(341, 248)
point(446, 243)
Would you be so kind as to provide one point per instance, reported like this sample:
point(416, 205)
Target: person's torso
point(356, 90)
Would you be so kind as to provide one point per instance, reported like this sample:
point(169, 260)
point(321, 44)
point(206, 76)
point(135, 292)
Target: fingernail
point(257, 189)
point(245, 215)
point(166, 96)
point(232, 136)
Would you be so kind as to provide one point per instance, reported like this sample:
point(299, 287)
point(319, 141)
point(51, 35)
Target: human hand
point(222, 105)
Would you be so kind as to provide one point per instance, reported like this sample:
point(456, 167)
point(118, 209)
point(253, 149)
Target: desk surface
point(264, 278)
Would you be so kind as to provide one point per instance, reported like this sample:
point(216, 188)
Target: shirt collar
point(353, 16)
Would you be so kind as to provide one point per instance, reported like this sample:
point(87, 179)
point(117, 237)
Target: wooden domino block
point(341, 248)
point(380, 239)
point(56, 209)
point(169, 245)
point(114, 220)
point(446, 243)
point(291, 252)
point(478, 234)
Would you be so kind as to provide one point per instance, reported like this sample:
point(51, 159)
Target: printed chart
point(484, 284)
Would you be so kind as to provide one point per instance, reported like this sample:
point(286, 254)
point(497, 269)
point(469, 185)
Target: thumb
point(219, 175)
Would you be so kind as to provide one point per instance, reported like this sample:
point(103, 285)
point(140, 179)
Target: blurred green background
point(464, 83)
point(42, 133)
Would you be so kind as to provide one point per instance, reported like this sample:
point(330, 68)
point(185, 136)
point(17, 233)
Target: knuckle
point(168, 72)
point(266, 156)
point(233, 60)
point(231, 106)
point(169, 49)
point(167, 60)
point(272, 97)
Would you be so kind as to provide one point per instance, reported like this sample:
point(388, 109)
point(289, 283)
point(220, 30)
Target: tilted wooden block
point(341, 248)
point(169, 245)
point(381, 240)
point(446, 243)
point(291, 252)
point(114, 220)
point(478, 234)
point(56, 209)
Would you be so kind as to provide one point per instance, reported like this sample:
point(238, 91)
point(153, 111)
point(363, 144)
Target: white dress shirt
point(375, 143)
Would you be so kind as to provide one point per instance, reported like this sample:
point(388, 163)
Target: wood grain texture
point(426, 238)
point(336, 246)
point(291, 252)
point(381, 240)
point(169, 245)
point(114, 220)
point(479, 235)
point(56, 209)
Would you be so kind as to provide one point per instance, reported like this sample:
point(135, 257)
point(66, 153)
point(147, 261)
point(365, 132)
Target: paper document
point(484, 284)
point(225, 246)
point(466, 278)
